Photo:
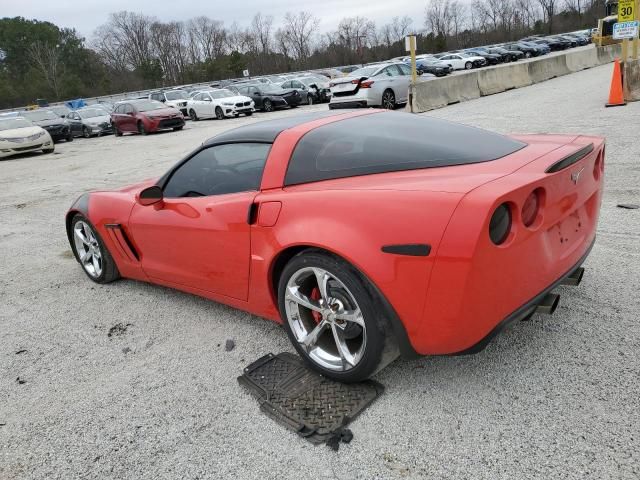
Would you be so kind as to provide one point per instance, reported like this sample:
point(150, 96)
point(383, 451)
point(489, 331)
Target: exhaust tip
point(575, 278)
point(548, 304)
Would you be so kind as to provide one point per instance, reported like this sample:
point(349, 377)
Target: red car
point(366, 234)
point(145, 116)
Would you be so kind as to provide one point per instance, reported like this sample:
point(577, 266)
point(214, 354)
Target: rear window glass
point(389, 142)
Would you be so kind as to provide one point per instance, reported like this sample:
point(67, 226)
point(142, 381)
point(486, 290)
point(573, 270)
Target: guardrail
point(444, 91)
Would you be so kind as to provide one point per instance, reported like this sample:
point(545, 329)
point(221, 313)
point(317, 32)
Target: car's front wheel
point(193, 115)
point(219, 113)
point(141, 129)
point(468, 66)
point(333, 317)
point(85, 132)
point(89, 249)
point(267, 106)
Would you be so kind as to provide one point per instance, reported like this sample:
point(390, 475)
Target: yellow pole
point(634, 45)
point(412, 47)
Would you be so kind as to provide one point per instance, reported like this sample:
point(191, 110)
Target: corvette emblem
point(575, 176)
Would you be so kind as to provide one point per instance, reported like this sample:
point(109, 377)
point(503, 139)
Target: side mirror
point(150, 196)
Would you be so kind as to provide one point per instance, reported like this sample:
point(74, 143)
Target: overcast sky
point(86, 15)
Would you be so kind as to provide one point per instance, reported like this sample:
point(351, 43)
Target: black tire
point(109, 269)
point(309, 99)
point(69, 137)
point(388, 99)
point(380, 347)
point(48, 150)
point(86, 133)
point(527, 55)
point(117, 131)
point(177, 129)
point(141, 129)
point(468, 66)
point(267, 106)
point(219, 113)
point(193, 115)
point(248, 114)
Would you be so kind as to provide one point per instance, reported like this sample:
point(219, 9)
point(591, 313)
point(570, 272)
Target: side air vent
point(570, 159)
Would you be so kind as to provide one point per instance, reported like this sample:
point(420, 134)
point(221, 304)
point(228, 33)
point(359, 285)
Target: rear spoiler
point(570, 159)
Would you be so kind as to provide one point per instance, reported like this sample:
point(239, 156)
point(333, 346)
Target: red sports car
point(366, 234)
point(145, 116)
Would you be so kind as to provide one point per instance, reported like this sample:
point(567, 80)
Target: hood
point(101, 119)
point(236, 98)
point(21, 132)
point(49, 123)
point(162, 112)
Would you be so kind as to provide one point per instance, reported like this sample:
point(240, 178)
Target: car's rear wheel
point(116, 130)
point(85, 132)
point(193, 115)
point(267, 106)
point(89, 249)
point(388, 100)
point(468, 66)
point(69, 137)
point(219, 113)
point(527, 55)
point(333, 317)
point(141, 129)
point(176, 129)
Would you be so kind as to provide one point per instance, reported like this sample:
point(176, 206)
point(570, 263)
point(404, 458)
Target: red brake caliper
point(315, 295)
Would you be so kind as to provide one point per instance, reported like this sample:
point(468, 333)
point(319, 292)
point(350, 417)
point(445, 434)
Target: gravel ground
point(557, 397)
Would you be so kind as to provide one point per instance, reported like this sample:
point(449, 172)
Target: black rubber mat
point(314, 406)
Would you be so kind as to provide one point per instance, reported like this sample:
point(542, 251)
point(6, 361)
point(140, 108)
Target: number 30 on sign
point(626, 10)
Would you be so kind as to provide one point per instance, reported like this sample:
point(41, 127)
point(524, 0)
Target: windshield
point(364, 72)
point(60, 110)
point(176, 95)
point(271, 89)
point(91, 112)
point(224, 93)
point(11, 123)
point(38, 115)
point(148, 105)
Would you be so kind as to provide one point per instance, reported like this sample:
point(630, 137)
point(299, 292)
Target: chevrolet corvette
point(367, 234)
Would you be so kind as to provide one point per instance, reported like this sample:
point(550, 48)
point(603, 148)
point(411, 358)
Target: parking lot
point(555, 397)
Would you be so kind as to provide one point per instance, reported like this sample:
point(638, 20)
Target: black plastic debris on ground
point(628, 206)
point(317, 408)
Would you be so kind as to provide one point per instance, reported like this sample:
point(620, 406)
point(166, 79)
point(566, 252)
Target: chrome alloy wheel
point(88, 249)
point(325, 319)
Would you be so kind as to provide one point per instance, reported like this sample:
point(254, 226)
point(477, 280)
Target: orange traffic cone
point(616, 98)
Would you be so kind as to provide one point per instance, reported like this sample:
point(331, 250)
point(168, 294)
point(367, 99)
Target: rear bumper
point(525, 310)
point(348, 104)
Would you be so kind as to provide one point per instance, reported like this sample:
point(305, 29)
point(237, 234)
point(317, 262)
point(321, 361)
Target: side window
point(198, 97)
point(128, 108)
point(296, 84)
point(405, 69)
point(286, 85)
point(220, 169)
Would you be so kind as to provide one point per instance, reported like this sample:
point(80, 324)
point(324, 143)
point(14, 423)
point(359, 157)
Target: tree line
point(134, 51)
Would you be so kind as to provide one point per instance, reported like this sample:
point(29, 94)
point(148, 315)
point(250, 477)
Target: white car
point(219, 103)
point(172, 98)
point(19, 135)
point(463, 61)
point(384, 84)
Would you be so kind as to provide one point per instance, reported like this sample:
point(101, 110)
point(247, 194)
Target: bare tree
point(209, 37)
point(549, 10)
point(261, 30)
point(298, 31)
point(48, 60)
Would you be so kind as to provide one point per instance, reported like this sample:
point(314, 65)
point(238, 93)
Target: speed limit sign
point(626, 10)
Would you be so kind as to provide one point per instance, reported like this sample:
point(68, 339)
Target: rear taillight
point(531, 208)
point(500, 224)
point(356, 81)
point(366, 84)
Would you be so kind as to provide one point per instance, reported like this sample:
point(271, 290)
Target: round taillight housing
point(500, 224)
point(531, 208)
